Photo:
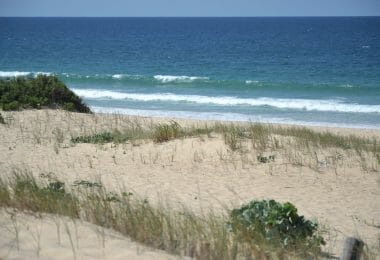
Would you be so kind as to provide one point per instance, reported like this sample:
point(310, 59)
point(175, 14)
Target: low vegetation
point(277, 223)
point(28, 194)
point(40, 92)
point(259, 230)
point(262, 136)
point(2, 121)
point(165, 132)
point(159, 133)
point(103, 137)
point(257, 143)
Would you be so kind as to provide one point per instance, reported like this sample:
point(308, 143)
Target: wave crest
point(180, 79)
point(14, 74)
point(252, 82)
point(11, 74)
point(281, 103)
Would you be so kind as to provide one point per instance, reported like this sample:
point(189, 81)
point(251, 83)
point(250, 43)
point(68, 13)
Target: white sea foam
point(41, 73)
point(282, 103)
point(219, 116)
point(11, 74)
point(251, 81)
point(169, 78)
point(347, 86)
point(117, 76)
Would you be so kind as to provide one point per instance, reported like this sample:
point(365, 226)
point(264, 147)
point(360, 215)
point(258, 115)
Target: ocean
point(309, 71)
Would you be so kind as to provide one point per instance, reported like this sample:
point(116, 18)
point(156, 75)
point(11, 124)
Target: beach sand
point(338, 188)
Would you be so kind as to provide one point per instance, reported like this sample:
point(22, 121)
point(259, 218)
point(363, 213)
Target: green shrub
point(278, 223)
point(13, 105)
point(2, 121)
point(42, 91)
point(69, 106)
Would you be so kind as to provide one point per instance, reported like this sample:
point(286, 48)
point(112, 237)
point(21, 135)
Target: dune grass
point(179, 232)
point(257, 143)
point(262, 136)
point(27, 194)
point(159, 133)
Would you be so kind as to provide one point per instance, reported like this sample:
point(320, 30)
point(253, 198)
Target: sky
point(132, 8)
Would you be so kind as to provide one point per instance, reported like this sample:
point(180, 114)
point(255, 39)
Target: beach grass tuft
point(167, 131)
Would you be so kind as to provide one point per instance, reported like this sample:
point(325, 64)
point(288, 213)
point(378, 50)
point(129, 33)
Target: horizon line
point(267, 16)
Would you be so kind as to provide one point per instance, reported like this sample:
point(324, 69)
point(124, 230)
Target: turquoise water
point(312, 71)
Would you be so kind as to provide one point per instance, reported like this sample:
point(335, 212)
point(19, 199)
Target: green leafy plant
point(275, 222)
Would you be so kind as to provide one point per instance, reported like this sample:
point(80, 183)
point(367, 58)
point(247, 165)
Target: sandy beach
point(339, 188)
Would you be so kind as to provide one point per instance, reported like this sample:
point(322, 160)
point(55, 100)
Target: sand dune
point(338, 188)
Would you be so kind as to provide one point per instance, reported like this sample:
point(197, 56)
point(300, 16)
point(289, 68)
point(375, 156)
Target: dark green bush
point(13, 105)
point(39, 92)
point(268, 220)
point(2, 121)
point(69, 106)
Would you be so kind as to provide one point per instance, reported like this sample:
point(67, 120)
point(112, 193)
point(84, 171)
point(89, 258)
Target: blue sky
point(189, 7)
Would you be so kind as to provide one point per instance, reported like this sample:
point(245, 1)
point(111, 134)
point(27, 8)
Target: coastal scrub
point(40, 92)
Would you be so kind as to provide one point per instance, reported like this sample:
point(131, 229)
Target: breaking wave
point(13, 74)
point(281, 103)
point(180, 79)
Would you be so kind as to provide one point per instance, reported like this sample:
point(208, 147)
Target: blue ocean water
point(313, 71)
